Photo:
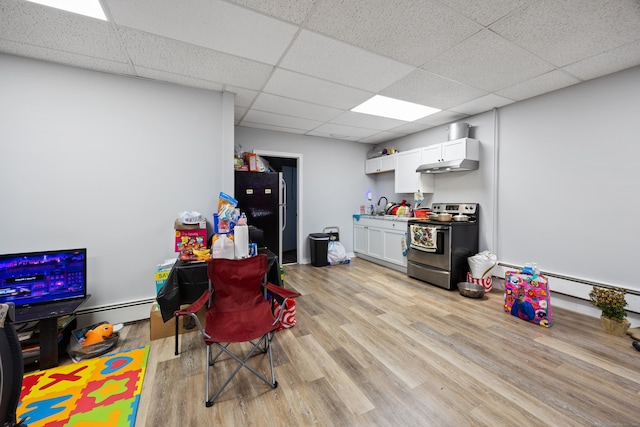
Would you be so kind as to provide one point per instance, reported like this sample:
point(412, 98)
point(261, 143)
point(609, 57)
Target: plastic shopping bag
point(288, 318)
point(481, 266)
point(336, 253)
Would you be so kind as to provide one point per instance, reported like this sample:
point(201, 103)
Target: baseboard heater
point(633, 295)
point(129, 311)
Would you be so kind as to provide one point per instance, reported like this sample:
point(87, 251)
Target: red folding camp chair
point(238, 311)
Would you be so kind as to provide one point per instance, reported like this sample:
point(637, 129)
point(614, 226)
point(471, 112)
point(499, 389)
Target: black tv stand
point(48, 343)
point(47, 338)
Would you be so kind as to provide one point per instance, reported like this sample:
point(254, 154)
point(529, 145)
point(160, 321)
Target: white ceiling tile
point(310, 89)
point(567, 31)
point(244, 97)
point(66, 58)
point(293, 107)
point(485, 12)
point(339, 62)
point(349, 118)
point(483, 104)
point(489, 62)
point(238, 113)
point(289, 10)
point(35, 25)
point(614, 60)
point(423, 87)
point(412, 127)
point(332, 136)
point(381, 137)
point(442, 117)
point(407, 30)
point(271, 127)
point(548, 82)
point(280, 120)
point(346, 52)
point(164, 76)
point(158, 53)
point(213, 24)
point(337, 131)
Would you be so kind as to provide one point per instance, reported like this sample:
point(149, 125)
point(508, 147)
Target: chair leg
point(274, 383)
point(175, 319)
point(266, 339)
point(213, 360)
point(207, 402)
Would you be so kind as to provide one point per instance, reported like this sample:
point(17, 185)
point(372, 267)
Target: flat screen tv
point(37, 278)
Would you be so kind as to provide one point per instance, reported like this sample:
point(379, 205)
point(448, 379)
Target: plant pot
point(615, 327)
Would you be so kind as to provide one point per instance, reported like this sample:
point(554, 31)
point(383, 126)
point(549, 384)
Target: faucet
point(386, 200)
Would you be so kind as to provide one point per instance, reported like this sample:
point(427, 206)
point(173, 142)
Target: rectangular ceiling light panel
point(394, 109)
point(91, 8)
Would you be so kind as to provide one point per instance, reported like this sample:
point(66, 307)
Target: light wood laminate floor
point(373, 347)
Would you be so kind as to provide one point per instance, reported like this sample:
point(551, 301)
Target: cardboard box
point(190, 239)
point(190, 236)
point(159, 329)
point(202, 225)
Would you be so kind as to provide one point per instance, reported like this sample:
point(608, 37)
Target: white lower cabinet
point(392, 247)
point(380, 240)
point(368, 240)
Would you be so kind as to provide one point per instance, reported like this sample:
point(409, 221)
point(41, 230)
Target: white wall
point(106, 162)
point(333, 183)
point(549, 167)
point(558, 182)
point(569, 180)
point(136, 152)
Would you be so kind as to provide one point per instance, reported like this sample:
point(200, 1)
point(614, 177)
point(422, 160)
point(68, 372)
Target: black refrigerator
point(261, 196)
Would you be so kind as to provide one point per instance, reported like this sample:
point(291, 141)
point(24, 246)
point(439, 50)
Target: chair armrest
point(282, 292)
point(195, 306)
point(192, 311)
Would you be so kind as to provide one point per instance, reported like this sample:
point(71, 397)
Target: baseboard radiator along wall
point(124, 312)
point(572, 288)
point(568, 292)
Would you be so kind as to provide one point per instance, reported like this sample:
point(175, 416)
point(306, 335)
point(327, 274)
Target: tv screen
point(43, 277)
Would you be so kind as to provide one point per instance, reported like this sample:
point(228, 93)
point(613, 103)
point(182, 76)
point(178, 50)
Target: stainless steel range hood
point(449, 166)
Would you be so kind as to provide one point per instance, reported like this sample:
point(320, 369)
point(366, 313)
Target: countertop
point(382, 217)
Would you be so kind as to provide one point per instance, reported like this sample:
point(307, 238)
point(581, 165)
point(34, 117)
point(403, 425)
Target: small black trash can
point(319, 247)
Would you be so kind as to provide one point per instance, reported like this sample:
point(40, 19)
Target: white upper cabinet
point(407, 180)
point(463, 148)
point(432, 153)
point(380, 164)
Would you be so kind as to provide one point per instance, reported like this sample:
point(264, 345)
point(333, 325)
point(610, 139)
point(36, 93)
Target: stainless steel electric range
point(438, 250)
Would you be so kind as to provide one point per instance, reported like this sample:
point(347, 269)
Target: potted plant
point(611, 302)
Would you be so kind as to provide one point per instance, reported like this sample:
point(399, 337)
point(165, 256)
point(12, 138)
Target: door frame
point(299, 214)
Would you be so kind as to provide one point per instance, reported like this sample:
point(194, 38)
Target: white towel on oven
point(423, 238)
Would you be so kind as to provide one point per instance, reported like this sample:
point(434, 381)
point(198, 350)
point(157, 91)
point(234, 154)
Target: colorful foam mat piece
point(104, 391)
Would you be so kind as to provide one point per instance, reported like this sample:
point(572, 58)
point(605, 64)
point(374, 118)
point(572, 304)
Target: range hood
point(449, 166)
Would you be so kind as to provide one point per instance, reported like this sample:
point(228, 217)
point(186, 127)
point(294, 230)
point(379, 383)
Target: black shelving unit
point(44, 354)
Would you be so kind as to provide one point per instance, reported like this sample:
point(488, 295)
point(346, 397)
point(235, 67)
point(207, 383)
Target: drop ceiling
point(299, 66)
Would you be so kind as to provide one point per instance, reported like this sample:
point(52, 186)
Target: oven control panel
point(456, 208)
